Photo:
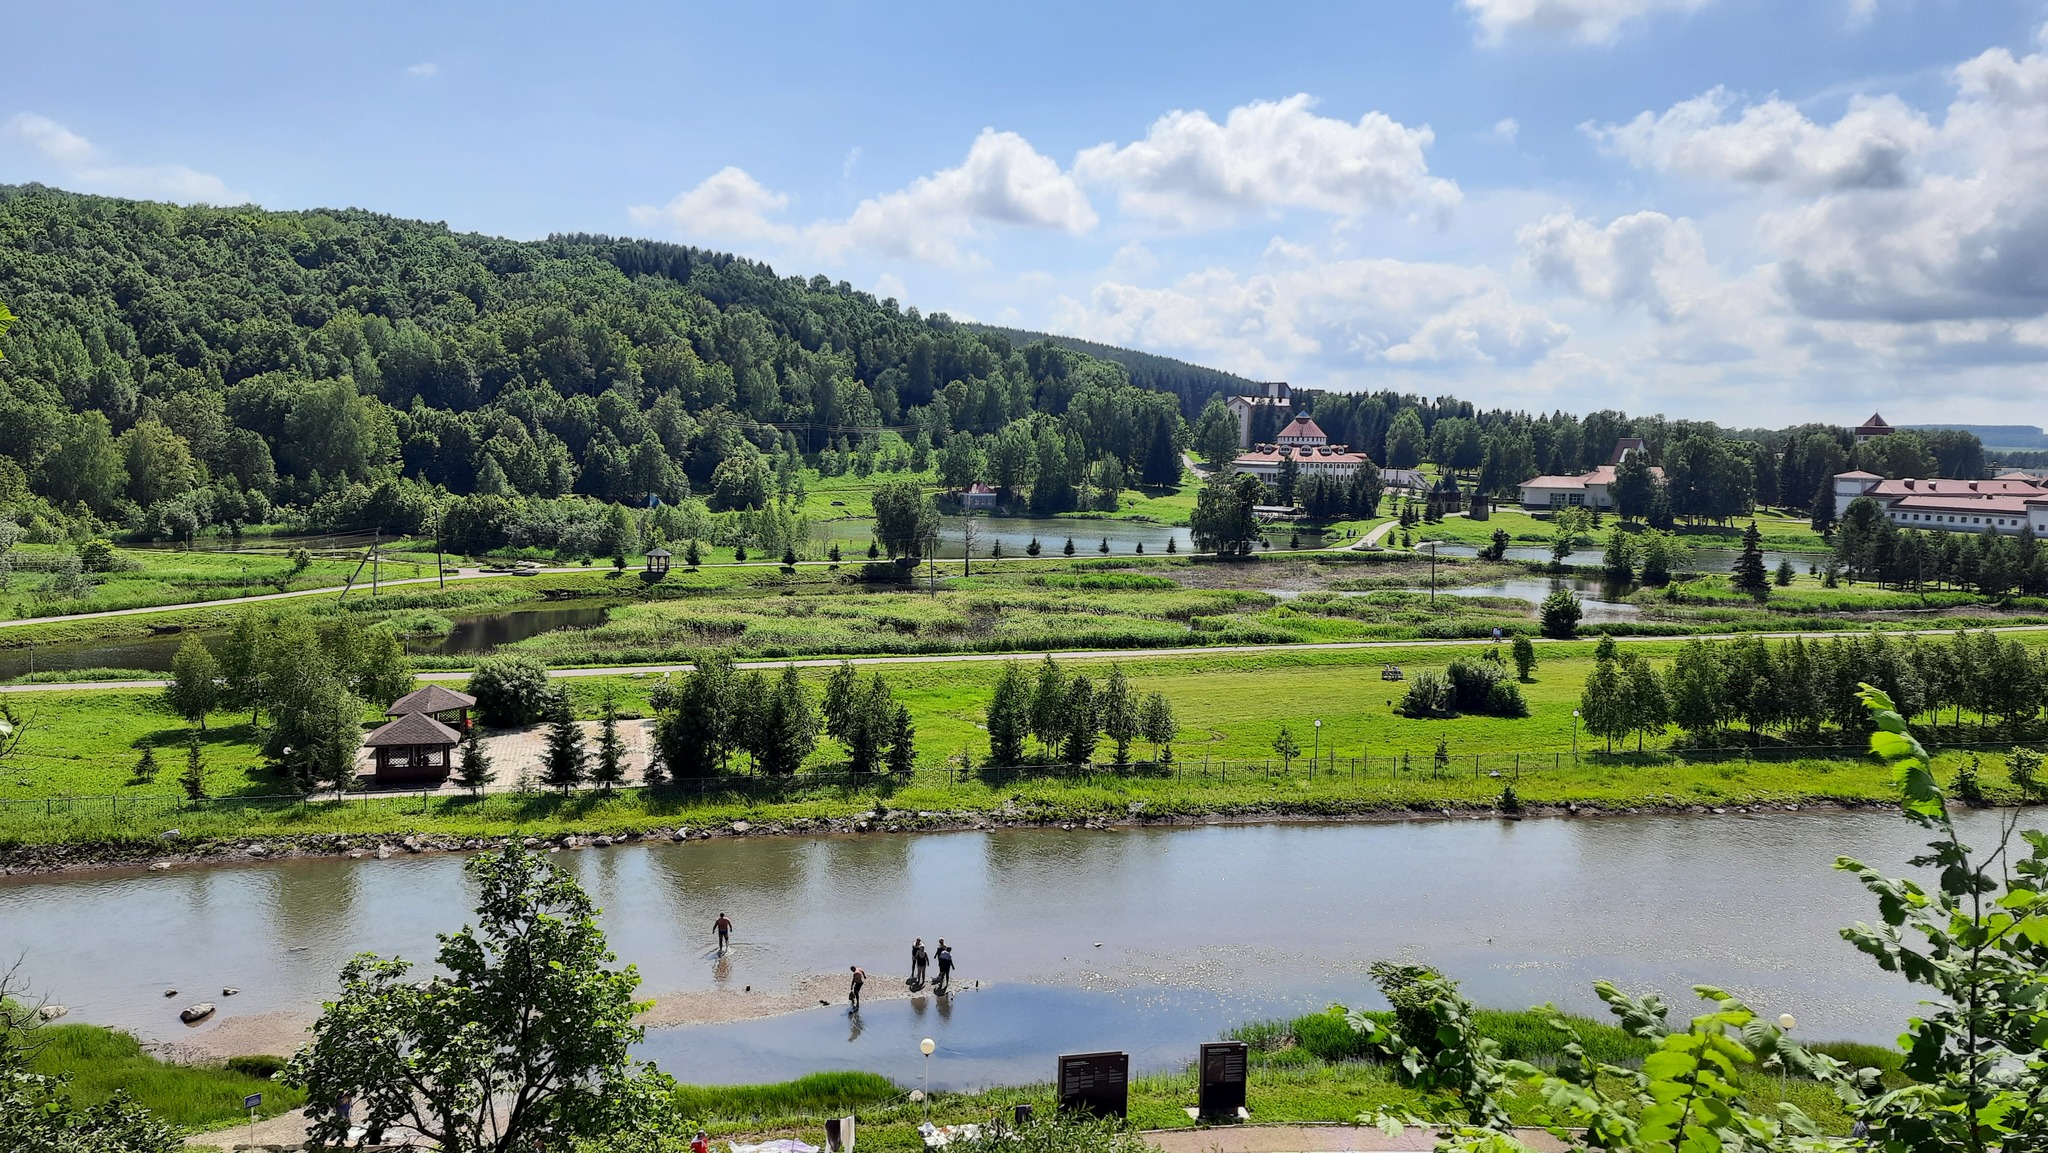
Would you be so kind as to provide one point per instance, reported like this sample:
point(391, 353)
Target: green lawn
point(147, 577)
point(1231, 708)
point(1780, 533)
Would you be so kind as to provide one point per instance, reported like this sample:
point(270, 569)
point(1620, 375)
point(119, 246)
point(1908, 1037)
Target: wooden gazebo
point(436, 702)
point(657, 560)
point(413, 749)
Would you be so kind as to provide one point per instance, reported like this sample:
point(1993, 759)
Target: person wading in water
point(853, 994)
point(918, 960)
point(723, 927)
point(945, 967)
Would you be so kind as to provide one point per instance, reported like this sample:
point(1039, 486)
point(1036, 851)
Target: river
point(1149, 940)
point(1015, 534)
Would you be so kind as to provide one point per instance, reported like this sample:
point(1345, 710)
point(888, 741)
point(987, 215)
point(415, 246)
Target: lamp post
point(926, 1046)
point(1432, 576)
point(1575, 736)
point(1318, 754)
point(1785, 1022)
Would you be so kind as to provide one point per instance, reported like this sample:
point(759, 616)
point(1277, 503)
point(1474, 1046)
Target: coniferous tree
point(194, 777)
point(610, 767)
point(1048, 699)
point(1117, 714)
point(566, 761)
point(474, 771)
point(1009, 716)
point(902, 742)
point(791, 726)
point(1159, 725)
point(1750, 575)
point(1078, 721)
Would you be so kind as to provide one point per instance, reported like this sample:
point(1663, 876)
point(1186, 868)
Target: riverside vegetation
point(1967, 1074)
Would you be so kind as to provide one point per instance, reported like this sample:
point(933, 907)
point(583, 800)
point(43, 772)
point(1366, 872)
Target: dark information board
point(1223, 1067)
point(1096, 1083)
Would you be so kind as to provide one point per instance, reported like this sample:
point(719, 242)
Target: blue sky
point(1748, 211)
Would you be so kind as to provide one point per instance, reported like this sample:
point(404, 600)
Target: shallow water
point(1016, 534)
point(1199, 928)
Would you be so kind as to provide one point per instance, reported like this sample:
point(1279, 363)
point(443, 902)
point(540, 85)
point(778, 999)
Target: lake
point(1146, 939)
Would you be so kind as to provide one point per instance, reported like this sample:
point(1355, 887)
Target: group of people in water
point(920, 964)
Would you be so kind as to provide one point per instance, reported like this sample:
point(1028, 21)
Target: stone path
point(517, 753)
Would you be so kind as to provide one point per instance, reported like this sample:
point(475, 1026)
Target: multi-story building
point(2010, 503)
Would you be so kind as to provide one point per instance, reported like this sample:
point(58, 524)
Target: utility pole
point(377, 539)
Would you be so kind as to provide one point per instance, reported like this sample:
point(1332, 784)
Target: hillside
point(1192, 383)
point(1995, 436)
point(262, 359)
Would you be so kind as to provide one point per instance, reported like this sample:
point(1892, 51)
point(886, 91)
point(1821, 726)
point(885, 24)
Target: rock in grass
point(193, 1013)
point(52, 1012)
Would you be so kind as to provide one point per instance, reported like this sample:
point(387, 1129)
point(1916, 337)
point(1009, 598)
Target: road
point(1083, 655)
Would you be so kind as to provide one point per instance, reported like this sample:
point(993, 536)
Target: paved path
point(1371, 539)
point(1312, 1139)
point(1086, 655)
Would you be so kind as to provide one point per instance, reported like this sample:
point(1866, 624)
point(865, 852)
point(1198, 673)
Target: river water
point(1015, 534)
point(1147, 940)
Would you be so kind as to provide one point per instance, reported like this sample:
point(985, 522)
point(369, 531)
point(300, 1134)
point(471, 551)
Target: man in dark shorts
point(723, 927)
point(853, 994)
point(945, 964)
point(918, 960)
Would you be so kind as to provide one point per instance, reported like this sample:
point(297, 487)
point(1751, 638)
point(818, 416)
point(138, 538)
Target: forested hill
point(1192, 383)
point(280, 355)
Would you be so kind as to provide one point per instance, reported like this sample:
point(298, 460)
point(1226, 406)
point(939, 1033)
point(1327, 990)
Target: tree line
point(1869, 546)
point(1807, 690)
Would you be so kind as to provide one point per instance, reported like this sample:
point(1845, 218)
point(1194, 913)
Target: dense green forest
point(174, 371)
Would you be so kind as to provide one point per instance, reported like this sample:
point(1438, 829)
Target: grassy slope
point(101, 1061)
point(165, 577)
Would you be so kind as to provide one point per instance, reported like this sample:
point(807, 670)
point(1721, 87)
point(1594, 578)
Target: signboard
point(252, 1101)
point(1096, 1083)
point(1223, 1066)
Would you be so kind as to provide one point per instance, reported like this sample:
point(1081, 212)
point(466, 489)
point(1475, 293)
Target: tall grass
point(101, 1062)
point(816, 1095)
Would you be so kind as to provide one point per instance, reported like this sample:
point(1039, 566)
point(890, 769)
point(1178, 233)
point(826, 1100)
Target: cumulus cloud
point(1304, 315)
point(1873, 145)
point(84, 166)
point(423, 68)
point(729, 205)
point(1645, 260)
point(1884, 215)
point(1003, 181)
point(1190, 171)
point(1586, 21)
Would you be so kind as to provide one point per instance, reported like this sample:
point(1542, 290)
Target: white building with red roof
point(1277, 398)
point(2011, 503)
point(1587, 489)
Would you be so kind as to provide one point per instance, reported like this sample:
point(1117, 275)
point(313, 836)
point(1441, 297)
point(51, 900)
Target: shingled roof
point(431, 699)
point(412, 729)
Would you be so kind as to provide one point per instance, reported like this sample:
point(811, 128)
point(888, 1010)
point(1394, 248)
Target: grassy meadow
point(1781, 532)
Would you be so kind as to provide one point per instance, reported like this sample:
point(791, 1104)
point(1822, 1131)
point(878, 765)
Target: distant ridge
point(2015, 436)
point(1192, 383)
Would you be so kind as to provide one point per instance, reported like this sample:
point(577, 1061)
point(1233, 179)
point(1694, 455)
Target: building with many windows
point(2010, 503)
point(1278, 399)
point(1304, 442)
point(1592, 490)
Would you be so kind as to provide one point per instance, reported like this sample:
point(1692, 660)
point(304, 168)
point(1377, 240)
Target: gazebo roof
point(412, 729)
point(659, 552)
point(431, 699)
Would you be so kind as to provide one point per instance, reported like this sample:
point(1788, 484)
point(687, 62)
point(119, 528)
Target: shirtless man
point(723, 927)
point(860, 978)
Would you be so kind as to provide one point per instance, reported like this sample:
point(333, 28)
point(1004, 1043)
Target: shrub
point(510, 690)
point(256, 1065)
point(1429, 695)
point(1561, 613)
point(2022, 767)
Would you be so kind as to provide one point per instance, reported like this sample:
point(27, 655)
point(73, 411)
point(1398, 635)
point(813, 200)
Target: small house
point(978, 497)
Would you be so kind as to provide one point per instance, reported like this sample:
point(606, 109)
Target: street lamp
point(1318, 755)
point(926, 1046)
point(1432, 576)
point(1575, 736)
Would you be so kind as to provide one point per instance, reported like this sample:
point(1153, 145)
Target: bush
point(1561, 613)
point(258, 1065)
point(1429, 695)
point(510, 690)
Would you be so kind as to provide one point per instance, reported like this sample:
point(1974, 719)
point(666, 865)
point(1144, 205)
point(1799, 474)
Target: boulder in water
point(51, 1012)
point(192, 1014)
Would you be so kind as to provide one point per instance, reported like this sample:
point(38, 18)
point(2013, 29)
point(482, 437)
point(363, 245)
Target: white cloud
point(1871, 146)
point(729, 205)
point(1884, 215)
point(1303, 316)
point(1190, 171)
point(83, 166)
point(423, 68)
point(1507, 128)
point(1586, 21)
point(1003, 181)
point(1646, 259)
